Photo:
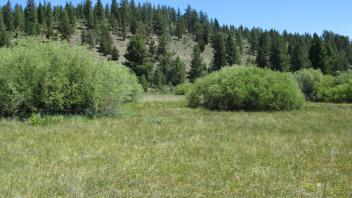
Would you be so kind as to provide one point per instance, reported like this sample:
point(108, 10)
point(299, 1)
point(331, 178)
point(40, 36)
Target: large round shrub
point(307, 80)
point(54, 77)
point(246, 88)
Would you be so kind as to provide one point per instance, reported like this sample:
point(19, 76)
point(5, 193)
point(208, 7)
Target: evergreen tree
point(105, 41)
point(159, 78)
point(71, 15)
point(219, 59)
point(8, 16)
point(99, 11)
point(19, 18)
point(262, 59)
point(41, 14)
point(180, 29)
point(299, 56)
point(49, 21)
point(31, 22)
point(115, 54)
point(317, 54)
point(232, 52)
point(177, 73)
point(64, 26)
point(114, 17)
point(137, 57)
point(198, 68)
point(88, 14)
point(279, 59)
point(89, 37)
point(164, 40)
point(4, 37)
point(124, 18)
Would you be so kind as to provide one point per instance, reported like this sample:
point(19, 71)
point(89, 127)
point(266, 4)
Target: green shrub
point(54, 77)
point(307, 80)
point(37, 119)
point(335, 89)
point(183, 89)
point(246, 88)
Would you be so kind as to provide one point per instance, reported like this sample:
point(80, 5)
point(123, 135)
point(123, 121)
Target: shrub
point(335, 89)
point(246, 88)
point(183, 89)
point(54, 77)
point(307, 80)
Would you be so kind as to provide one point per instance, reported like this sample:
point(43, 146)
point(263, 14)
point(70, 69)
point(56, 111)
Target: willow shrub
point(308, 80)
point(53, 77)
point(246, 88)
point(337, 89)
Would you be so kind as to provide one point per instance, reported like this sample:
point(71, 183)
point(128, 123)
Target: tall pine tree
point(232, 52)
point(4, 37)
point(219, 59)
point(31, 22)
point(317, 54)
point(8, 16)
point(198, 68)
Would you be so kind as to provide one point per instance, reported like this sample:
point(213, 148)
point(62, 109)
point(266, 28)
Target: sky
point(292, 15)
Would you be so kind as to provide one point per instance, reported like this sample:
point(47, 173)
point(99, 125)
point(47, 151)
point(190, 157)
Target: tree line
point(152, 60)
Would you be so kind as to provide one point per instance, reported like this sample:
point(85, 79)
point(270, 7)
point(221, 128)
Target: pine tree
point(99, 11)
point(64, 26)
point(115, 54)
point(317, 54)
point(4, 37)
point(164, 40)
point(8, 16)
point(279, 59)
point(19, 18)
point(232, 52)
point(159, 78)
point(41, 14)
point(177, 73)
point(89, 37)
point(219, 59)
point(262, 59)
point(198, 68)
point(124, 18)
point(71, 15)
point(299, 56)
point(137, 57)
point(105, 41)
point(31, 22)
point(49, 21)
point(180, 29)
point(114, 17)
point(88, 14)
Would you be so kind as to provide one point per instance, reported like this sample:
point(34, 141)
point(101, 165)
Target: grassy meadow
point(160, 148)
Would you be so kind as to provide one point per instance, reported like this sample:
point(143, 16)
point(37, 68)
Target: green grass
point(160, 148)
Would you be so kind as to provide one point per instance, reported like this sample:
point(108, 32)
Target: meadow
point(158, 147)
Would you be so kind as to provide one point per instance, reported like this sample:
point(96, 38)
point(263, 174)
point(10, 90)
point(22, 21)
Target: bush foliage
point(37, 77)
point(325, 88)
point(307, 80)
point(183, 89)
point(246, 88)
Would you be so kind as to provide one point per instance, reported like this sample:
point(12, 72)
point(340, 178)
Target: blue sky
point(293, 15)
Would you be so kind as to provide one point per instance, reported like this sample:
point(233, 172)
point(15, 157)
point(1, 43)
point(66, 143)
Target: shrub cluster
point(325, 88)
point(183, 89)
point(53, 77)
point(308, 80)
point(246, 88)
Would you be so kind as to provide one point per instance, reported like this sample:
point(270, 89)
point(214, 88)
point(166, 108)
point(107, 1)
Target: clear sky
point(293, 15)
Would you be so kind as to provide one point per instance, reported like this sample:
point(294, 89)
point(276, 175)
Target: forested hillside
point(165, 45)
